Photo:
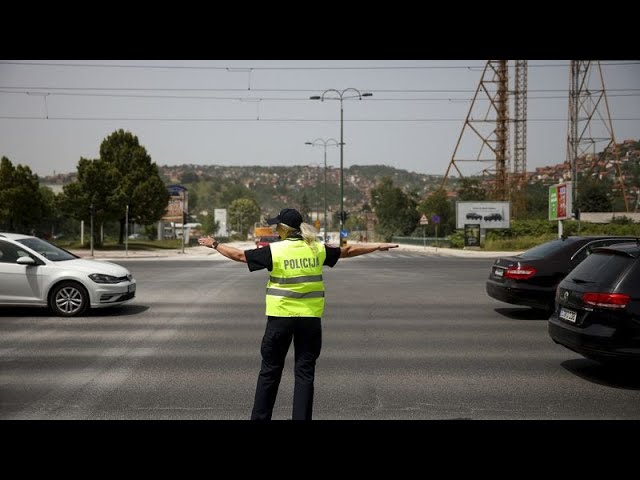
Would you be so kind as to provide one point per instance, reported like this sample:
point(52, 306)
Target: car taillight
point(606, 300)
point(520, 273)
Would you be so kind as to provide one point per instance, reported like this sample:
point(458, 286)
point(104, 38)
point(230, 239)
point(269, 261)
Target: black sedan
point(530, 279)
point(598, 306)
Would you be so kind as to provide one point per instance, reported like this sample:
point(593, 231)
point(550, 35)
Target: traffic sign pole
point(424, 221)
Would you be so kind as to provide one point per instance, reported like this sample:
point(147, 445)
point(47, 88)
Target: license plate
point(132, 288)
point(568, 315)
point(498, 272)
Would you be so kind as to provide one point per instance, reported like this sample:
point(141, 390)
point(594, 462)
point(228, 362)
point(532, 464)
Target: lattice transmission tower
point(491, 125)
point(590, 131)
point(518, 182)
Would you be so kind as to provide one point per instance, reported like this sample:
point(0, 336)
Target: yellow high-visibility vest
point(295, 287)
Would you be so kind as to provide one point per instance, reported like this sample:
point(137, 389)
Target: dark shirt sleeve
point(259, 258)
point(333, 254)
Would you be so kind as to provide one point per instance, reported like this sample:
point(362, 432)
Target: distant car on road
point(530, 279)
point(474, 216)
point(265, 240)
point(493, 217)
point(136, 236)
point(597, 310)
point(34, 272)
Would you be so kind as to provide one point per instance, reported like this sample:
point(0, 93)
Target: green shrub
point(525, 234)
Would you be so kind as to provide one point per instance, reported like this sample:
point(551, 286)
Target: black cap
point(289, 217)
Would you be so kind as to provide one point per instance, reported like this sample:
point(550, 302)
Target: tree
point(123, 176)
point(22, 206)
point(96, 182)
point(209, 225)
point(594, 196)
point(234, 192)
point(537, 201)
point(53, 221)
point(138, 182)
point(470, 189)
point(243, 214)
point(304, 208)
point(438, 203)
point(395, 210)
point(189, 176)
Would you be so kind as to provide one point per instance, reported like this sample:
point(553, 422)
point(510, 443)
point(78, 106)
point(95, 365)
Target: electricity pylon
point(492, 128)
point(590, 132)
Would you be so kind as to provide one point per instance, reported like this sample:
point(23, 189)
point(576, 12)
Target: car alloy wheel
point(69, 299)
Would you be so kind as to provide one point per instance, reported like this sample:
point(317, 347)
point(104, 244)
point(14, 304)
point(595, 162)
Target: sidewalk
point(202, 253)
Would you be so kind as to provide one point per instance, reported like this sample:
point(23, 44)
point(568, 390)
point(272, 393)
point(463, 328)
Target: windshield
point(47, 250)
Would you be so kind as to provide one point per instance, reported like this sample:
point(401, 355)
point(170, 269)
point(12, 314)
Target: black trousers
point(306, 333)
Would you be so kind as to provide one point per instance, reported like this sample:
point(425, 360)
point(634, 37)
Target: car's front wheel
point(69, 299)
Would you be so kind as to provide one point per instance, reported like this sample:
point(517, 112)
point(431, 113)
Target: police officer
point(294, 305)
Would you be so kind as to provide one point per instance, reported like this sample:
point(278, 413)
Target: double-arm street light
point(341, 95)
point(324, 143)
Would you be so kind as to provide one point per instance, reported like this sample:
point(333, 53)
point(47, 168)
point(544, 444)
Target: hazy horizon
point(245, 112)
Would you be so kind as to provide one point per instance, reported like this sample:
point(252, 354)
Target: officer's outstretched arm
point(355, 250)
point(229, 252)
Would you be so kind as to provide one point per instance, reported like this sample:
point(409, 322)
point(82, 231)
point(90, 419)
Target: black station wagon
point(597, 310)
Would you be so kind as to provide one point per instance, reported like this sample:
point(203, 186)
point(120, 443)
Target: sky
point(258, 112)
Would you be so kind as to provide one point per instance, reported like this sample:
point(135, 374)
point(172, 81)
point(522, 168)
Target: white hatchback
point(35, 272)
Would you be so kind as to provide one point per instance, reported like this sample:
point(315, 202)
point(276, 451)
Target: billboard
point(485, 214)
point(560, 201)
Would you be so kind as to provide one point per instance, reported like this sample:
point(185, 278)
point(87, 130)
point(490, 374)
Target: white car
point(35, 272)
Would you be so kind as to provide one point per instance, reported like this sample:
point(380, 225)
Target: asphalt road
point(406, 335)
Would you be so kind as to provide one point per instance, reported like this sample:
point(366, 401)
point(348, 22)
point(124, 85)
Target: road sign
point(435, 219)
point(344, 233)
point(424, 220)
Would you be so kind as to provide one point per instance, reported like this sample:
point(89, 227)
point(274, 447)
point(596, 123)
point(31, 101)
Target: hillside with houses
point(211, 186)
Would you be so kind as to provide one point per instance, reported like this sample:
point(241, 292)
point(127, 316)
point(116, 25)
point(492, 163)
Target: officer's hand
point(387, 246)
point(206, 241)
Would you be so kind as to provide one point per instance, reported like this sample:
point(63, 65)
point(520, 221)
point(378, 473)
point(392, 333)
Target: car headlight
point(102, 278)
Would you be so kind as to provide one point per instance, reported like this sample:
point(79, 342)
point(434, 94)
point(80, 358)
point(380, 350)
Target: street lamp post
point(341, 96)
point(324, 143)
point(126, 231)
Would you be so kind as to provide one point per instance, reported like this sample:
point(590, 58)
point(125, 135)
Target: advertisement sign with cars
point(486, 214)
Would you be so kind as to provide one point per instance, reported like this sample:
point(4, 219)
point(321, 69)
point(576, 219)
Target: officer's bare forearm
point(229, 252)
point(355, 250)
point(232, 253)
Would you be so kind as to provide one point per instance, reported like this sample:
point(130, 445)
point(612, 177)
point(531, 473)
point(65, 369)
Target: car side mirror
point(25, 261)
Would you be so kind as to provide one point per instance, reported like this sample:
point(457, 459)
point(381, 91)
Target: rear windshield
point(601, 269)
point(546, 249)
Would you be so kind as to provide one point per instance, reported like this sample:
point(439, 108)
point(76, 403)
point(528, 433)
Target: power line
point(305, 99)
point(302, 120)
point(364, 67)
point(306, 90)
